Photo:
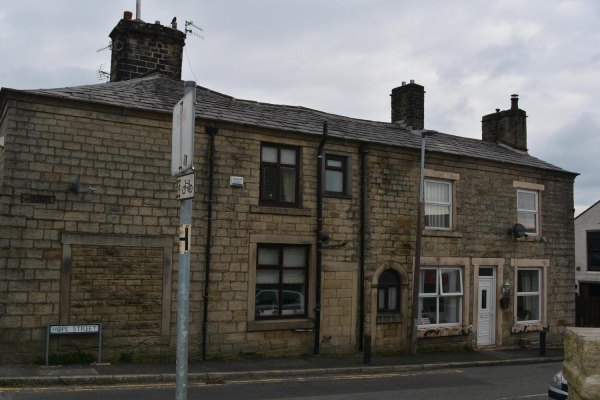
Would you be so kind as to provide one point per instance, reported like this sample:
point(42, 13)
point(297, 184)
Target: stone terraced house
point(110, 255)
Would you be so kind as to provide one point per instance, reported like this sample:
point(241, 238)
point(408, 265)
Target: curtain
point(437, 215)
point(392, 298)
point(294, 257)
point(267, 276)
point(528, 306)
point(288, 184)
point(451, 303)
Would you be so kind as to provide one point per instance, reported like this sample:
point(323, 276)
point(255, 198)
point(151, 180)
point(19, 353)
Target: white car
point(559, 388)
point(267, 302)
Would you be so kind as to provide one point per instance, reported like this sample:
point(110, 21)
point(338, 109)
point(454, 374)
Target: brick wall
point(125, 156)
point(140, 47)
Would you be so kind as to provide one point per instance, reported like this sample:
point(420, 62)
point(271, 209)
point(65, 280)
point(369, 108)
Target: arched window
point(388, 288)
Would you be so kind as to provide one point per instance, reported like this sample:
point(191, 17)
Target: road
point(484, 383)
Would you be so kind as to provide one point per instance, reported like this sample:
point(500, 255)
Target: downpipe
point(319, 238)
point(212, 131)
point(364, 150)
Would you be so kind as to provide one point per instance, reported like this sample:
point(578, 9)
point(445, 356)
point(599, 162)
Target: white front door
point(486, 321)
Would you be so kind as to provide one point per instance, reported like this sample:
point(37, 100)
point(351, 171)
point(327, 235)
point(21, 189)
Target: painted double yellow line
point(169, 385)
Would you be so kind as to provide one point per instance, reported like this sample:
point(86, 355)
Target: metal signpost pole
point(183, 302)
point(183, 293)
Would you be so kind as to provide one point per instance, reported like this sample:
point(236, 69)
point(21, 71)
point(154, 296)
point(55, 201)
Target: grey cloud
point(574, 146)
point(345, 56)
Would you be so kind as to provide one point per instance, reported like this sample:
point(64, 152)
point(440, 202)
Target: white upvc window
point(438, 204)
point(440, 296)
point(528, 212)
point(529, 295)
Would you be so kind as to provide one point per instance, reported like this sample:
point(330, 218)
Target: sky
point(345, 57)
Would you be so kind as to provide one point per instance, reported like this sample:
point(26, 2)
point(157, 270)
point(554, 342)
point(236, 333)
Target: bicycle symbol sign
point(186, 186)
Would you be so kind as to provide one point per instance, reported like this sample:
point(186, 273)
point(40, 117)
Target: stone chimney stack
point(508, 127)
point(408, 105)
point(139, 48)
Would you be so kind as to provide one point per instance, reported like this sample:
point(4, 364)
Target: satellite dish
point(519, 231)
point(76, 187)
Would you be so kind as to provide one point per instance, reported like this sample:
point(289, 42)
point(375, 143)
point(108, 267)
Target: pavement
point(219, 371)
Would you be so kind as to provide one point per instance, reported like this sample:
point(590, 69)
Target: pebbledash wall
point(110, 255)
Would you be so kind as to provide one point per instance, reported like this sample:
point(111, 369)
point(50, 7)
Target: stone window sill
point(539, 239)
point(256, 326)
point(442, 331)
point(431, 232)
point(302, 212)
point(524, 328)
point(389, 318)
point(337, 195)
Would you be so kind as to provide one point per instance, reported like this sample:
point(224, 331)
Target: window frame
point(386, 287)
point(450, 204)
point(347, 193)
point(590, 251)
point(530, 294)
point(268, 202)
point(535, 212)
point(343, 169)
point(438, 293)
point(281, 268)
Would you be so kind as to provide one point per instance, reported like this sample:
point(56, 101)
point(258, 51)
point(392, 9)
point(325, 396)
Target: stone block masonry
point(120, 287)
point(125, 155)
point(139, 48)
point(582, 363)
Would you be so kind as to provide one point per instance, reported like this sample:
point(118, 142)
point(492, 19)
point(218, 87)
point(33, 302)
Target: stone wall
point(582, 363)
point(339, 308)
point(120, 287)
point(124, 155)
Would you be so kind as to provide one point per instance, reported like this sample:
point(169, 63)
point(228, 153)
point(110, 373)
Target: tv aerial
point(189, 28)
point(101, 74)
point(105, 47)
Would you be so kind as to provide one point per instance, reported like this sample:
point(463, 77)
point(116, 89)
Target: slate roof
point(159, 93)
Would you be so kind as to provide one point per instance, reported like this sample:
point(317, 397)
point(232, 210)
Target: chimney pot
point(412, 81)
point(403, 83)
point(514, 101)
point(127, 15)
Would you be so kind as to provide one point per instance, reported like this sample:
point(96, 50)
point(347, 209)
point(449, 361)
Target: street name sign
point(75, 330)
point(182, 153)
point(66, 329)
